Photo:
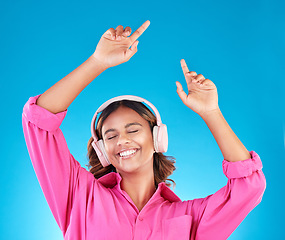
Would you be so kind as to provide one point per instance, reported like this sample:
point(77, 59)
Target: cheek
point(148, 141)
point(108, 147)
point(110, 151)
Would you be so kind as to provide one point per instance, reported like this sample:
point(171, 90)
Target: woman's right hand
point(114, 46)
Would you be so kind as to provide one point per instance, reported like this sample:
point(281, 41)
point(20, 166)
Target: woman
point(129, 201)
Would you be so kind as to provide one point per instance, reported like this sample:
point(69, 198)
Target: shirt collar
point(111, 179)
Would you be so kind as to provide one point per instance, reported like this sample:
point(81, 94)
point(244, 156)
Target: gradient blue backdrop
point(239, 45)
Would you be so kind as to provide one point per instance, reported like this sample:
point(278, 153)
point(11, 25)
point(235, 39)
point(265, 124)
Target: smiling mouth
point(127, 154)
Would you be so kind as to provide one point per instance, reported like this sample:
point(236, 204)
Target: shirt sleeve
point(56, 169)
point(219, 214)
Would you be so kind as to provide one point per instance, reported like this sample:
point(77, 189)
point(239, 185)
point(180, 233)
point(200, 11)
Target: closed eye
point(109, 138)
point(133, 131)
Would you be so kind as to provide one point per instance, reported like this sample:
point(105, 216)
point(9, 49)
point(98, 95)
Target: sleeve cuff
point(242, 168)
point(41, 117)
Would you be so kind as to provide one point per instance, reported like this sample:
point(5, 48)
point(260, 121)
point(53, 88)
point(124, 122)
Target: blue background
point(239, 45)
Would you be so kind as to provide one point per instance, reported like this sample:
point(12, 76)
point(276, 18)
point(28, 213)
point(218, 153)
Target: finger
point(111, 33)
point(135, 45)
point(119, 31)
point(127, 31)
point(186, 70)
point(189, 76)
point(180, 92)
point(184, 66)
point(140, 31)
point(204, 85)
point(131, 52)
point(199, 78)
point(207, 84)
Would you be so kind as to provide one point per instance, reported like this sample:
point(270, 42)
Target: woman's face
point(128, 141)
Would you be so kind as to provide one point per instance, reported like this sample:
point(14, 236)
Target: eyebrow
point(126, 126)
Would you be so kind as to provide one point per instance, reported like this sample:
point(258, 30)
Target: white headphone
point(160, 137)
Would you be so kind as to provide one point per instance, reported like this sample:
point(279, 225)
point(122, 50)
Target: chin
point(132, 165)
point(128, 169)
point(132, 168)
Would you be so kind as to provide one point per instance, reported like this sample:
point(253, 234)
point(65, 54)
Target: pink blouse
point(86, 208)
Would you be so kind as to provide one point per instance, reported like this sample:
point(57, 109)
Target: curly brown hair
point(163, 166)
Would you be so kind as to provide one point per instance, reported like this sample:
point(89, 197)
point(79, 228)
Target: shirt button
point(140, 218)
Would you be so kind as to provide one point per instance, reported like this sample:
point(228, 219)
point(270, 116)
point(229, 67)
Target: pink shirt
point(87, 208)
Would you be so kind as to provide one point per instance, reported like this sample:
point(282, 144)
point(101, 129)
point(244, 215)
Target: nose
point(123, 138)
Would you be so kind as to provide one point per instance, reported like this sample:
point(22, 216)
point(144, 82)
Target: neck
point(140, 187)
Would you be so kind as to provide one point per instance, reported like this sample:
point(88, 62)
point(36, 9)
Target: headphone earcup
point(101, 153)
point(160, 138)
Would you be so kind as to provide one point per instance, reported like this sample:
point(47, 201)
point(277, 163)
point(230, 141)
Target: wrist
point(97, 63)
point(208, 115)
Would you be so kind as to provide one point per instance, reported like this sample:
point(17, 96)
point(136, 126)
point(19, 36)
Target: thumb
point(130, 52)
point(180, 92)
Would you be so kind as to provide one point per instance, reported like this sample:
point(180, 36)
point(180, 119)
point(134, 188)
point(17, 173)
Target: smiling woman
point(133, 119)
point(125, 189)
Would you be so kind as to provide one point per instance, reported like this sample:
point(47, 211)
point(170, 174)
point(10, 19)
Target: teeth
point(127, 153)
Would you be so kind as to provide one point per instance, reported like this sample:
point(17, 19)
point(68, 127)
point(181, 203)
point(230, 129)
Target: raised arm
point(202, 98)
point(219, 214)
point(112, 49)
point(61, 177)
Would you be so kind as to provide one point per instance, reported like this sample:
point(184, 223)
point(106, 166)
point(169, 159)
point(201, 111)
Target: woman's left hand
point(202, 95)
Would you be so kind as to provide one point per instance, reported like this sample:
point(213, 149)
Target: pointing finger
point(184, 66)
point(186, 70)
point(139, 31)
